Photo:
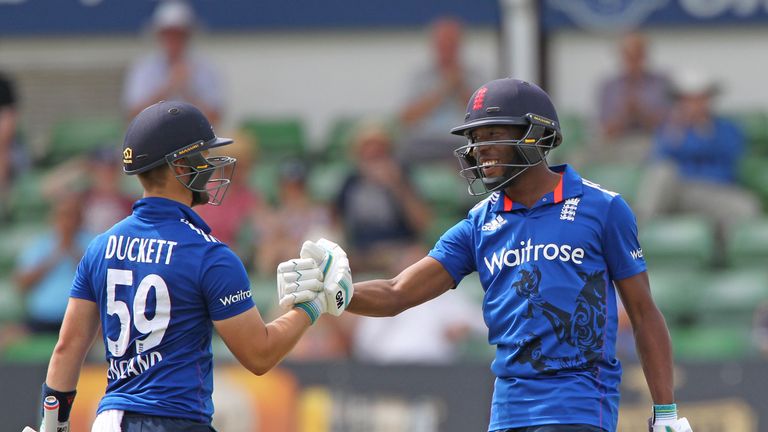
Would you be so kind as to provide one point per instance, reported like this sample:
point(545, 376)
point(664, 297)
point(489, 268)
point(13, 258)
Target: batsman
point(553, 251)
point(158, 283)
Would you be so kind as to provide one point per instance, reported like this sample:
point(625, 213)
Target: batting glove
point(665, 419)
point(300, 284)
point(337, 276)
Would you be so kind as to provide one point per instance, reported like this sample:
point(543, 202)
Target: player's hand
point(337, 276)
point(679, 425)
point(300, 280)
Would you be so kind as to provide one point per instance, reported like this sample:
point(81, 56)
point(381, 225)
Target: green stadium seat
point(716, 342)
point(277, 138)
point(264, 292)
point(11, 307)
point(754, 176)
point(15, 237)
point(677, 292)
point(26, 201)
point(678, 242)
point(732, 296)
point(32, 349)
point(754, 123)
point(439, 224)
point(77, 136)
point(325, 180)
point(622, 178)
point(574, 128)
point(748, 244)
point(442, 187)
point(338, 139)
point(264, 177)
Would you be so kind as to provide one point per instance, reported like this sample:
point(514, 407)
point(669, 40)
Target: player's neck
point(534, 183)
point(181, 196)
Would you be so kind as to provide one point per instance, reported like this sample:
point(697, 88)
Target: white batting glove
point(300, 284)
point(679, 425)
point(337, 277)
point(664, 419)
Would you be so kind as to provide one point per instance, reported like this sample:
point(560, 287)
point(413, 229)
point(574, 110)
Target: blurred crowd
point(385, 188)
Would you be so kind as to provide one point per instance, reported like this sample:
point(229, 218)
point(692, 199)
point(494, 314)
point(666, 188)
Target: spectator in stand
point(379, 208)
point(438, 95)
point(296, 217)
point(696, 159)
point(12, 158)
point(430, 333)
point(105, 203)
point(631, 105)
point(46, 267)
point(760, 329)
point(175, 72)
point(230, 222)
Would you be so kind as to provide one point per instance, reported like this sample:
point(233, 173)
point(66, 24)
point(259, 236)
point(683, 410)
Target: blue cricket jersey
point(549, 304)
point(159, 279)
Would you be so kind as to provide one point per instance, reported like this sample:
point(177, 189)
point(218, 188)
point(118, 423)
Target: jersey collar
point(156, 208)
point(569, 186)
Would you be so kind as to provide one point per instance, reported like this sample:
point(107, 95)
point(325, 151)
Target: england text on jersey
point(137, 249)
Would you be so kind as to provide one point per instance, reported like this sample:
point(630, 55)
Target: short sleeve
point(455, 251)
point(81, 285)
point(225, 284)
point(621, 247)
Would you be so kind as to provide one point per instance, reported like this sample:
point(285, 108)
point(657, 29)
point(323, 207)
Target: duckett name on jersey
point(139, 249)
point(528, 252)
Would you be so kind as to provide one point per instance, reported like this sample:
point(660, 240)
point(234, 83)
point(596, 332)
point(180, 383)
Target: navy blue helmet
point(507, 102)
point(177, 134)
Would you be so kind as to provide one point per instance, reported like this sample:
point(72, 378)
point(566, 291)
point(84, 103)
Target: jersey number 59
point(154, 328)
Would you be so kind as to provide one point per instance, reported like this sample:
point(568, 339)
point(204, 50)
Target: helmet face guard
point(207, 178)
point(540, 137)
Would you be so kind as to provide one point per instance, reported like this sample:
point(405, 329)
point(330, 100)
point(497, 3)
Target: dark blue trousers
point(134, 422)
point(557, 428)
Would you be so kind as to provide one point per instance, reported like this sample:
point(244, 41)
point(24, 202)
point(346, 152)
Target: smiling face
point(495, 151)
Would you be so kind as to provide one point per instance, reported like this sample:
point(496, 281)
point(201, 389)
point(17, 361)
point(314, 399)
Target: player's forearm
point(376, 298)
point(280, 336)
point(67, 360)
point(655, 351)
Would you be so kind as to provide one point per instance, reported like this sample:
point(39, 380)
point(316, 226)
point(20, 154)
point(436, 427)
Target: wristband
point(311, 310)
point(66, 399)
point(665, 412)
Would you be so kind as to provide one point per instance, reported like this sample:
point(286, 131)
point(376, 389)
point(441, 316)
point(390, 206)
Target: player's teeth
point(490, 162)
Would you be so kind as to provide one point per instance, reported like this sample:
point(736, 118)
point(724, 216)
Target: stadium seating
point(442, 187)
point(678, 242)
point(748, 244)
point(754, 123)
point(715, 342)
point(325, 180)
point(26, 201)
point(732, 296)
point(15, 237)
point(276, 138)
point(677, 292)
point(623, 178)
point(335, 146)
point(10, 301)
point(754, 176)
point(32, 349)
point(77, 136)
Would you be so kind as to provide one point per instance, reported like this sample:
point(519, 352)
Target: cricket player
point(158, 283)
point(552, 250)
